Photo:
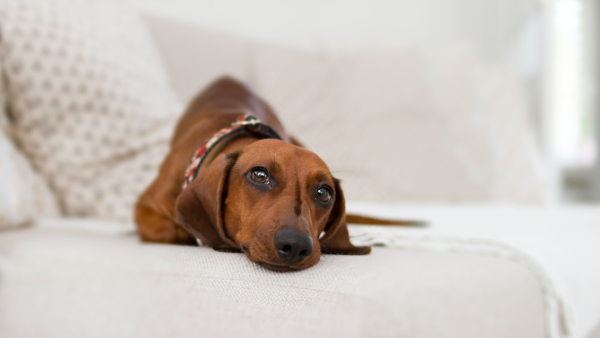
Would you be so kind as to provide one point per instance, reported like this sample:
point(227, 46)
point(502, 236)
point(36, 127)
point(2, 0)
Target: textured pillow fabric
point(24, 196)
point(406, 126)
point(92, 107)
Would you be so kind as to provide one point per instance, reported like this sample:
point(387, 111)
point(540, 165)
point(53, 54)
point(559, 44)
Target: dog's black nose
point(293, 246)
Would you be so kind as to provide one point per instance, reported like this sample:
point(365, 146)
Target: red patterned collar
point(247, 123)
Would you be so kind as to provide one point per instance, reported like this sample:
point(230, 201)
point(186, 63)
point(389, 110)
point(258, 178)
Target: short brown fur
point(221, 208)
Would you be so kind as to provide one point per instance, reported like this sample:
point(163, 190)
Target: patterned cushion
point(91, 104)
point(408, 126)
point(24, 196)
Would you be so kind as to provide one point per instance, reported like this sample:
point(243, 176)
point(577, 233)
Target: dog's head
point(276, 202)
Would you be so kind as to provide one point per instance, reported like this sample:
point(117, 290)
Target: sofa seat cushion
point(58, 282)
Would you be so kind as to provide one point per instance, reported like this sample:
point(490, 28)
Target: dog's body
point(214, 109)
point(268, 198)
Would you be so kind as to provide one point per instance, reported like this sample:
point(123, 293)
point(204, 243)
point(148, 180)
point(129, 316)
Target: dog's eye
point(259, 176)
point(323, 195)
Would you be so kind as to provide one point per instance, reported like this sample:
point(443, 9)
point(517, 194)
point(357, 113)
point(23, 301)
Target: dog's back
point(219, 105)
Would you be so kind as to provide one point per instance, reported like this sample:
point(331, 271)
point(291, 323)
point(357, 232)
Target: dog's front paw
point(227, 248)
point(351, 251)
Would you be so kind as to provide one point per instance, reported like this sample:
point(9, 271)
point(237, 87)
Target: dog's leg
point(155, 227)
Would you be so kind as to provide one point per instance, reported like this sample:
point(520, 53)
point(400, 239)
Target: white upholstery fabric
point(408, 126)
point(60, 283)
point(596, 333)
point(559, 245)
point(91, 104)
point(24, 196)
point(193, 57)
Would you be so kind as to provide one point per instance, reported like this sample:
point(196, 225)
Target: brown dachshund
point(258, 192)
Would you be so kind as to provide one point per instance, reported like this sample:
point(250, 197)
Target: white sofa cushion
point(197, 56)
point(408, 126)
point(92, 107)
point(559, 245)
point(59, 283)
point(24, 196)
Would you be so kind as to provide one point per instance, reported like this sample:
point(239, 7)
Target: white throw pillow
point(92, 106)
point(24, 196)
point(407, 126)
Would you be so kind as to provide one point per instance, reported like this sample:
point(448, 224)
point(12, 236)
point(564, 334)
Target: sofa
point(480, 268)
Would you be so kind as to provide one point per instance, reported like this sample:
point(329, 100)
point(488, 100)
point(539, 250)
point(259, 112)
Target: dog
point(249, 186)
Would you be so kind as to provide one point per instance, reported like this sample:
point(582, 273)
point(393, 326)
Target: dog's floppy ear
point(337, 239)
point(199, 207)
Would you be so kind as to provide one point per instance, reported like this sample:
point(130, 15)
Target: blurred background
point(551, 45)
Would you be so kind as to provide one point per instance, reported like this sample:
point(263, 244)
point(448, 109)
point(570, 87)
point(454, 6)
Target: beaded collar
point(247, 123)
